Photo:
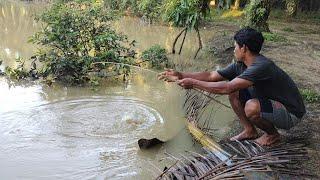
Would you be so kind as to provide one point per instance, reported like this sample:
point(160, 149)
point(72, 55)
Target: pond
point(58, 132)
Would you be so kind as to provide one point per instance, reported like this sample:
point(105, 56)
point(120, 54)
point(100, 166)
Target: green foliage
point(310, 96)
point(77, 39)
point(185, 13)
point(19, 72)
point(214, 14)
point(123, 5)
point(94, 83)
point(150, 9)
point(157, 57)
point(257, 13)
point(309, 17)
point(301, 17)
point(274, 37)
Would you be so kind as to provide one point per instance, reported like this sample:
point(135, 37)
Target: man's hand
point(169, 75)
point(186, 83)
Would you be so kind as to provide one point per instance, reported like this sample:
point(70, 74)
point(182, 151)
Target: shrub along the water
point(156, 56)
point(19, 72)
point(78, 41)
point(149, 9)
point(78, 46)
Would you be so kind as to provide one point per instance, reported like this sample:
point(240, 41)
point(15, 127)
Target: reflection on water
point(75, 133)
point(147, 36)
point(17, 25)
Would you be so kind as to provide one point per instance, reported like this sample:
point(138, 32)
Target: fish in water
point(149, 143)
point(134, 122)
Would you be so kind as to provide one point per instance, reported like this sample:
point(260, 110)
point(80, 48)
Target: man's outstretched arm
point(213, 76)
point(172, 75)
point(222, 87)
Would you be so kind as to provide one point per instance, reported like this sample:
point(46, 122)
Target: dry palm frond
point(200, 107)
point(248, 158)
point(237, 159)
point(230, 160)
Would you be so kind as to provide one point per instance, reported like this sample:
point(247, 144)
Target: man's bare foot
point(246, 134)
point(268, 139)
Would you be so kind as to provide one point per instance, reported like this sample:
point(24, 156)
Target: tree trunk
point(236, 4)
point(292, 7)
point(220, 4)
point(258, 13)
point(228, 4)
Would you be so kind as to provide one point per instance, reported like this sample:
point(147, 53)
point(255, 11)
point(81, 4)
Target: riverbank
point(298, 53)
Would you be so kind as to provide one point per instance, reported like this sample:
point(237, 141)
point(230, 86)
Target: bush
point(156, 56)
point(123, 5)
point(150, 9)
point(257, 13)
point(310, 96)
point(19, 72)
point(274, 37)
point(185, 13)
point(77, 39)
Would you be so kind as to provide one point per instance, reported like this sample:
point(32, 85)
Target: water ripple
point(94, 134)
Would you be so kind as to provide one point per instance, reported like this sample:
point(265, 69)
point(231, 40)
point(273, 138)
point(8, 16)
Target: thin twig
point(184, 37)
point(176, 39)
point(200, 42)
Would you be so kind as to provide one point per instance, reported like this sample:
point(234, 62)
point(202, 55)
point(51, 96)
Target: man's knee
point(252, 109)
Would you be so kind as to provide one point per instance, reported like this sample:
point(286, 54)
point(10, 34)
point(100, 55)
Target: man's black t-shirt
point(269, 82)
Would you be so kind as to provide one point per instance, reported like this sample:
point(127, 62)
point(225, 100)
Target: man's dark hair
point(252, 38)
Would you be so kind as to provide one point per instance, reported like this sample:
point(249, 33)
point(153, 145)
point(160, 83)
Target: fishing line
point(152, 71)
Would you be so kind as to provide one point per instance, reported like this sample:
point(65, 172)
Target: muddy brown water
point(63, 132)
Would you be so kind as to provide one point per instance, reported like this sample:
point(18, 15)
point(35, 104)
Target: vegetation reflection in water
point(17, 25)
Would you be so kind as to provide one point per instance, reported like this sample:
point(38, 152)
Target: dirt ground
point(300, 58)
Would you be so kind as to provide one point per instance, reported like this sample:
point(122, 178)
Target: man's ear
point(244, 48)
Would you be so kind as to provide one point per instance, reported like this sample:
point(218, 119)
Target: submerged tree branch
point(200, 42)
point(184, 37)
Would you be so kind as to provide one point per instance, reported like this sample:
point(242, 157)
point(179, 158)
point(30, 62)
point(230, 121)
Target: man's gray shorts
point(272, 111)
point(279, 116)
